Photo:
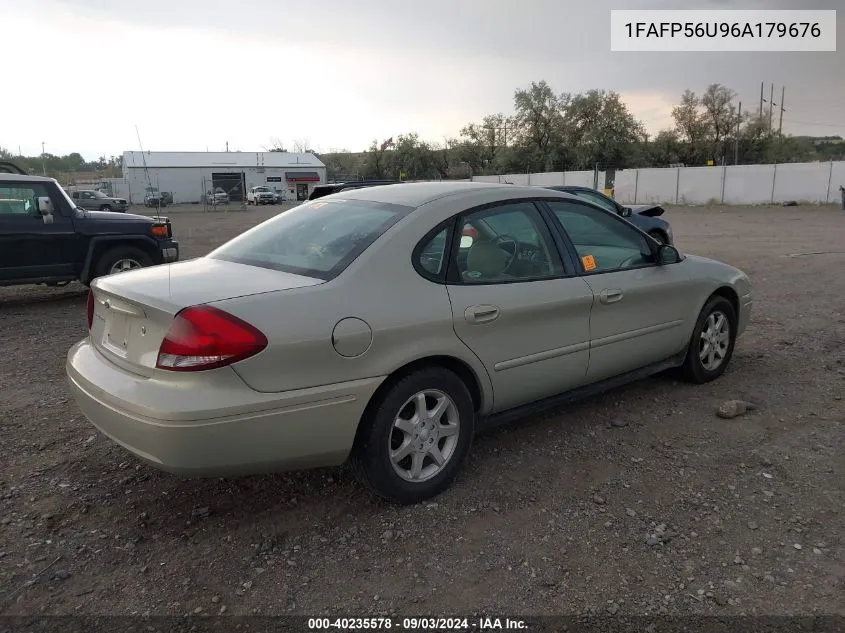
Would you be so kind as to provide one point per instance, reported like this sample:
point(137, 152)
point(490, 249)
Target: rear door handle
point(481, 314)
point(610, 295)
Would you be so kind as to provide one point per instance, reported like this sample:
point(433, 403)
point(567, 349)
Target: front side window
point(603, 243)
point(509, 242)
point(20, 198)
point(316, 239)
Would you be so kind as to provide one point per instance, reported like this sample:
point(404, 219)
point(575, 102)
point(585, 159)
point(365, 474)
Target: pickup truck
point(97, 201)
point(45, 238)
point(261, 195)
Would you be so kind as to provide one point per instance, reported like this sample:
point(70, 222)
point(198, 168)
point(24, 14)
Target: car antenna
point(147, 171)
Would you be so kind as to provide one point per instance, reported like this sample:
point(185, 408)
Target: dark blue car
point(643, 216)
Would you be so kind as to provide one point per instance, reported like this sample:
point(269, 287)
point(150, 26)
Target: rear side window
point(316, 239)
point(430, 255)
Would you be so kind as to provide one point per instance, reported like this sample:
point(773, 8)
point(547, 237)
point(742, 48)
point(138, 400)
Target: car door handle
point(481, 314)
point(610, 295)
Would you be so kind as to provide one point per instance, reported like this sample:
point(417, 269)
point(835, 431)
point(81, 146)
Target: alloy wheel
point(714, 341)
point(424, 435)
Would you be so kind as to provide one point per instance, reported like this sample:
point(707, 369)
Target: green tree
point(538, 120)
point(600, 130)
point(720, 116)
point(375, 165)
point(692, 128)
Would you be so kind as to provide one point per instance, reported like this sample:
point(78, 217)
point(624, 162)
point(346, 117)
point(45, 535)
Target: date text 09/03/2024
point(483, 623)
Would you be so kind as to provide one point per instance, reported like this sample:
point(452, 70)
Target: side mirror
point(45, 209)
point(667, 254)
point(625, 212)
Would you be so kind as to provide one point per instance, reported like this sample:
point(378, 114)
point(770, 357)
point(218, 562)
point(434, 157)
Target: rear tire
point(712, 344)
point(415, 438)
point(121, 258)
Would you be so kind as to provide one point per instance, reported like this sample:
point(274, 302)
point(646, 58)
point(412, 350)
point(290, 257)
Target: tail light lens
point(202, 337)
point(90, 308)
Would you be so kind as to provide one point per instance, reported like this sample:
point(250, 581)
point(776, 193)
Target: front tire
point(121, 259)
point(105, 207)
point(712, 344)
point(417, 436)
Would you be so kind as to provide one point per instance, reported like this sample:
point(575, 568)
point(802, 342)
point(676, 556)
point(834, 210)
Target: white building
point(187, 176)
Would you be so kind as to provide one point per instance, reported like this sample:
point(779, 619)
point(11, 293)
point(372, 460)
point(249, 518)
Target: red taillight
point(90, 308)
point(203, 337)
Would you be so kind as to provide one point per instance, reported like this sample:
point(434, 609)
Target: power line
point(813, 109)
point(817, 124)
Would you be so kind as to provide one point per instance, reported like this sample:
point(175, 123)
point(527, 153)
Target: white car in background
point(218, 196)
point(261, 195)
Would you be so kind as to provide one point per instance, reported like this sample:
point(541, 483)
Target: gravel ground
point(641, 501)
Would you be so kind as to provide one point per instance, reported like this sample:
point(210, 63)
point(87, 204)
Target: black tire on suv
point(124, 257)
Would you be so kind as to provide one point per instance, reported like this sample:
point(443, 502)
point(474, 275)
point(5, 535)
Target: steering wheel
point(502, 239)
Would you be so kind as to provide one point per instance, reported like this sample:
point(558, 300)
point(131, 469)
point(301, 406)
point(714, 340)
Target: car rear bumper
point(212, 424)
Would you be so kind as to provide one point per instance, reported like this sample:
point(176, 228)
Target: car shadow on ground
point(174, 502)
point(16, 297)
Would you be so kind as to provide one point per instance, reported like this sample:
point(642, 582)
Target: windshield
point(315, 239)
point(67, 198)
point(262, 190)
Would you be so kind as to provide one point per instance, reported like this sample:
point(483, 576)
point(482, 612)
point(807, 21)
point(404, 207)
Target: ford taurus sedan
point(387, 325)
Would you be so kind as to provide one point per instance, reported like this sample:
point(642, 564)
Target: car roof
point(416, 194)
point(19, 177)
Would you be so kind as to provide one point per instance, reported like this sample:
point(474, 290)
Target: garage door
point(231, 183)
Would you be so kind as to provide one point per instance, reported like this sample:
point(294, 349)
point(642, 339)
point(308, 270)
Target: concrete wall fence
point(736, 184)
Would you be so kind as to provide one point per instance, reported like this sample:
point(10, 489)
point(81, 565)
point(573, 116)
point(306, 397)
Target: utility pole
point(43, 160)
point(771, 105)
point(762, 83)
point(227, 146)
point(736, 139)
point(780, 123)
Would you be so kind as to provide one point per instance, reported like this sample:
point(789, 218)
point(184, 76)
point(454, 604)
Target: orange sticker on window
point(589, 262)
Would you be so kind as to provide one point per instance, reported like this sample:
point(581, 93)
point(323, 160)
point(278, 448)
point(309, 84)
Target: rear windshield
point(316, 239)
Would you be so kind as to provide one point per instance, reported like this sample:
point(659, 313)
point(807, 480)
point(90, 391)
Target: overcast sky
point(194, 74)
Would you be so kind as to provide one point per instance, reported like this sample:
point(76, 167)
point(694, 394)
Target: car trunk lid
point(133, 311)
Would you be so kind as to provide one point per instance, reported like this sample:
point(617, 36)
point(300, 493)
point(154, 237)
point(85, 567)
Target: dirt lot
point(551, 515)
